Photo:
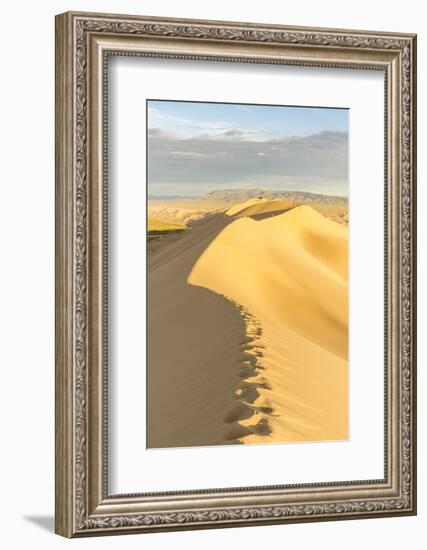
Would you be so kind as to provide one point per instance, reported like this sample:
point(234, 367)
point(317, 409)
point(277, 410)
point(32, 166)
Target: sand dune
point(240, 207)
point(290, 273)
point(247, 329)
point(258, 207)
point(195, 346)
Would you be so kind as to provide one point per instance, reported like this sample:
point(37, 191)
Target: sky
point(194, 148)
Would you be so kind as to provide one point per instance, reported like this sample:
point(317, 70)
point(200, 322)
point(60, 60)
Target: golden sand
point(289, 272)
point(258, 207)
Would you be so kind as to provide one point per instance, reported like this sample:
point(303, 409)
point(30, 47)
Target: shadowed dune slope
point(239, 208)
point(257, 207)
point(290, 272)
point(195, 340)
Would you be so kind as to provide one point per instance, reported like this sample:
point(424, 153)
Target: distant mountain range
point(301, 197)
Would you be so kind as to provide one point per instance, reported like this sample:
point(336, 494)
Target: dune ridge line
point(245, 416)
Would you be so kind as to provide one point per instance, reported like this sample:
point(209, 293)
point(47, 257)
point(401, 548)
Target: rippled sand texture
point(247, 329)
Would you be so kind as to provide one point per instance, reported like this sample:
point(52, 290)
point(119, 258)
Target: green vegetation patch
point(159, 227)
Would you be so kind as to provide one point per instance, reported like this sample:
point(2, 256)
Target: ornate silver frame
point(83, 43)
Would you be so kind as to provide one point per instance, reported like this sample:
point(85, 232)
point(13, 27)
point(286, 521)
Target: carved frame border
point(83, 43)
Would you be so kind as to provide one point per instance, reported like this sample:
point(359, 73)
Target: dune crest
point(258, 207)
point(238, 208)
point(290, 272)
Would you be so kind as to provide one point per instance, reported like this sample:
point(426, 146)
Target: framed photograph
point(235, 274)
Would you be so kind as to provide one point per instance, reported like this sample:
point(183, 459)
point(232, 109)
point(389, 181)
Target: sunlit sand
point(248, 328)
point(290, 273)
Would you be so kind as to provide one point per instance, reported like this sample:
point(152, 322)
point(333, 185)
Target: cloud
point(188, 154)
point(238, 156)
point(182, 127)
point(187, 128)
